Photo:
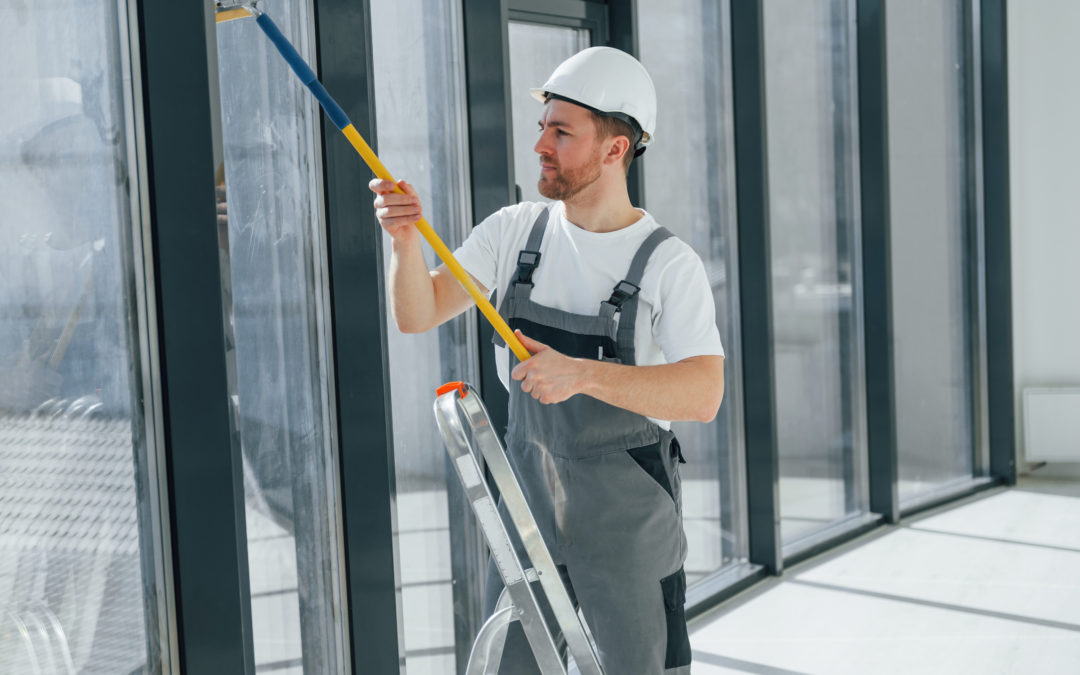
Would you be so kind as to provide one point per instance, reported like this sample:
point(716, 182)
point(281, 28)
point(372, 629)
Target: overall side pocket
point(678, 639)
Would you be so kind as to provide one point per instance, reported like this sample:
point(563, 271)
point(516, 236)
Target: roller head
point(227, 11)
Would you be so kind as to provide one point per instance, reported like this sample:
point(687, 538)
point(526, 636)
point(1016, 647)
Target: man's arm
point(419, 299)
point(690, 389)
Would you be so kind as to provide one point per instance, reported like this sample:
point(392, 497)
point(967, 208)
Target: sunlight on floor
point(989, 586)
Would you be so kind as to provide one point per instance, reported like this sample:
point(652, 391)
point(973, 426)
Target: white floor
point(990, 585)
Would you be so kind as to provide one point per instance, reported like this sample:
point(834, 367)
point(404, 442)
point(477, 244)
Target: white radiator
point(1052, 424)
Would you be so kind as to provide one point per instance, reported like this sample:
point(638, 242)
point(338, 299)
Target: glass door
point(82, 578)
point(535, 51)
point(421, 127)
point(689, 176)
point(273, 279)
point(932, 230)
point(812, 127)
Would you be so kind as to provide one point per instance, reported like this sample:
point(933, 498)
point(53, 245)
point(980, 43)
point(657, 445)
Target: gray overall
point(603, 484)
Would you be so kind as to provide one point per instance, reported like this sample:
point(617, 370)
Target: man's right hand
point(396, 212)
point(419, 299)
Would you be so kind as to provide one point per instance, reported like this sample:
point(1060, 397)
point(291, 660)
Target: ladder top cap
point(451, 386)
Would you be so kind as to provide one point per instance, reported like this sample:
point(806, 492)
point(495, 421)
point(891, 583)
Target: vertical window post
point(877, 274)
point(359, 347)
point(995, 140)
point(752, 195)
point(623, 34)
point(205, 480)
point(491, 156)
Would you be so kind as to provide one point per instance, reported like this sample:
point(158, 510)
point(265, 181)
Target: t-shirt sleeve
point(479, 253)
point(685, 324)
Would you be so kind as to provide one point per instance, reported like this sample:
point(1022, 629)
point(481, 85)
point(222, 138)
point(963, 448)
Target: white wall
point(1044, 129)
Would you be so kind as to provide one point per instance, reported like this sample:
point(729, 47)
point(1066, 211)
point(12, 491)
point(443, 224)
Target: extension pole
point(342, 122)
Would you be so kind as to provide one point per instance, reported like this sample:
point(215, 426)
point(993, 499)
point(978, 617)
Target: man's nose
point(543, 144)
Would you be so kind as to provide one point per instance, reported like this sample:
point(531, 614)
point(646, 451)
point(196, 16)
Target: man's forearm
point(687, 390)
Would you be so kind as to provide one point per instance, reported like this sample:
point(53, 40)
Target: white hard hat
point(609, 81)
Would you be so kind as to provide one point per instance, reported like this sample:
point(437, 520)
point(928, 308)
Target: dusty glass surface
point(811, 121)
point(535, 51)
point(931, 225)
point(272, 267)
point(422, 138)
point(80, 580)
point(689, 177)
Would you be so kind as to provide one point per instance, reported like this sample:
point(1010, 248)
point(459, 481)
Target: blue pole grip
point(306, 75)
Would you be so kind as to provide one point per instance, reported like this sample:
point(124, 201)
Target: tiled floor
point(991, 585)
point(427, 603)
point(275, 601)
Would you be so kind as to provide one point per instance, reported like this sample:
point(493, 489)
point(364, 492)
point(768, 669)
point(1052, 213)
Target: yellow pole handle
point(441, 250)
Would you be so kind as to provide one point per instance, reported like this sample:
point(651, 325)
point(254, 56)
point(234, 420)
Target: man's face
point(570, 152)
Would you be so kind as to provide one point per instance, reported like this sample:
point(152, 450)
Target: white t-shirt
point(578, 270)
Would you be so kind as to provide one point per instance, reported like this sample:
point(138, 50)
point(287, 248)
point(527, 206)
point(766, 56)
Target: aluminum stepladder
point(467, 434)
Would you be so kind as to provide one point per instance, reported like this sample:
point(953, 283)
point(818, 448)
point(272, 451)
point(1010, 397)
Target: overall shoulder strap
point(624, 299)
point(520, 286)
point(529, 257)
point(644, 252)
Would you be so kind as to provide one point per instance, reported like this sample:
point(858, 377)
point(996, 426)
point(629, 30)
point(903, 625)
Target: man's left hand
point(549, 376)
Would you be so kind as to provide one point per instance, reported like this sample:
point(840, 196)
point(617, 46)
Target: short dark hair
point(608, 126)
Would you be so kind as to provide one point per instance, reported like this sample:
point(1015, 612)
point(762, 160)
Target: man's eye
point(562, 133)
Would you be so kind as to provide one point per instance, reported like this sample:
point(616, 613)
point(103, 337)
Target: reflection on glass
point(929, 186)
point(422, 138)
point(272, 256)
point(685, 48)
point(535, 51)
point(811, 125)
point(79, 570)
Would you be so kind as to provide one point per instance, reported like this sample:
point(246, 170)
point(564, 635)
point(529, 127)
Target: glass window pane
point(929, 188)
point(535, 51)
point(80, 569)
point(685, 48)
point(272, 268)
point(422, 138)
point(812, 128)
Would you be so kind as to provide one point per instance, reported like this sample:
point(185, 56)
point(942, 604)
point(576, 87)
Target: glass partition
point(932, 225)
point(272, 256)
point(812, 129)
point(689, 176)
point(422, 138)
point(535, 51)
point(81, 570)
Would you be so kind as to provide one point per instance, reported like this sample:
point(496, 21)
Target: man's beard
point(565, 184)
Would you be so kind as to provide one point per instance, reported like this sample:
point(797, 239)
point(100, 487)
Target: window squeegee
point(229, 12)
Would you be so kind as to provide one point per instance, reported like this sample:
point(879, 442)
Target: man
point(618, 315)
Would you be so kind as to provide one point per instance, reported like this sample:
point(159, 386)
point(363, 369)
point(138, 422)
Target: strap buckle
point(624, 290)
point(527, 262)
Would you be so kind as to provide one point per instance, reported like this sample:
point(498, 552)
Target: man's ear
point(619, 146)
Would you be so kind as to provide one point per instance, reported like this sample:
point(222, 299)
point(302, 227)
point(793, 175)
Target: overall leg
point(638, 623)
point(624, 551)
